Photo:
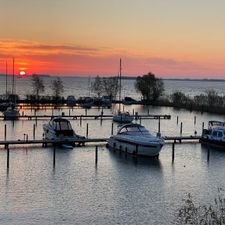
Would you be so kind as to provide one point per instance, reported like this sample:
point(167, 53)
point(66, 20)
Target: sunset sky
point(171, 38)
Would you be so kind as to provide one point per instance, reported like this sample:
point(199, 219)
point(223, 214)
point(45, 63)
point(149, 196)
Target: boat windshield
point(134, 130)
point(62, 125)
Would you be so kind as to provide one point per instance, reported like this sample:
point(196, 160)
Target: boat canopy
point(214, 123)
point(133, 129)
point(61, 124)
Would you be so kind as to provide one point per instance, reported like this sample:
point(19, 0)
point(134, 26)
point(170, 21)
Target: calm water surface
point(120, 189)
point(79, 87)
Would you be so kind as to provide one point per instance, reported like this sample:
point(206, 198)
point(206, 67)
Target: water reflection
point(139, 161)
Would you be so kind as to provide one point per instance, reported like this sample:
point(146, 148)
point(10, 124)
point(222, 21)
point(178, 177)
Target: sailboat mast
point(120, 77)
point(13, 79)
point(6, 79)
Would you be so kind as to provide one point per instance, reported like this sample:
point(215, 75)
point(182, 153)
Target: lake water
point(79, 87)
point(119, 189)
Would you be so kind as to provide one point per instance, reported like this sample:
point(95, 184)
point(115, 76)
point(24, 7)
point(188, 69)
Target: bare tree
point(110, 86)
point(57, 87)
point(38, 85)
point(97, 86)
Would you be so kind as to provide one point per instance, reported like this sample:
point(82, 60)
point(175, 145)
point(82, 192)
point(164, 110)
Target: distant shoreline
point(129, 78)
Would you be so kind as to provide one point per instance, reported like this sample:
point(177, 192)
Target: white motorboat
point(136, 139)
point(215, 134)
point(11, 113)
point(60, 129)
point(123, 117)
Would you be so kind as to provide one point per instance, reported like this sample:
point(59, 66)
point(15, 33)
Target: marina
point(44, 182)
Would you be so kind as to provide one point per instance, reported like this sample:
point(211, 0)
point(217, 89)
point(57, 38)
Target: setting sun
point(22, 73)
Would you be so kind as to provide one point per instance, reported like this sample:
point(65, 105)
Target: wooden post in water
point(69, 112)
point(112, 129)
point(181, 128)
point(133, 112)
point(34, 131)
point(5, 131)
point(194, 120)
point(96, 155)
point(87, 131)
point(7, 156)
point(81, 120)
point(173, 149)
point(203, 126)
point(85, 112)
point(54, 156)
point(177, 119)
point(140, 119)
point(159, 127)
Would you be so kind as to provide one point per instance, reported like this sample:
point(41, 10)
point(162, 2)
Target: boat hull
point(215, 143)
point(132, 147)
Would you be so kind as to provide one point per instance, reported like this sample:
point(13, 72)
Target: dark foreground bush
point(212, 214)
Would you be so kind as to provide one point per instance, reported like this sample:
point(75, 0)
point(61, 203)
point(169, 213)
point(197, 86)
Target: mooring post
point(136, 115)
point(140, 119)
point(87, 131)
point(54, 156)
point(101, 118)
point(5, 131)
point(34, 131)
point(181, 128)
point(112, 129)
point(208, 153)
point(203, 126)
point(133, 112)
point(7, 156)
point(81, 120)
point(159, 126)
point(177, 119)
point(96, 154)
point(148, 111)
point(85, 112)
point(173, 149)
point(194, 120)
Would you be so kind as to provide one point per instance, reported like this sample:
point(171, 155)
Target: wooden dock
point(45, 142)
point(100, 116)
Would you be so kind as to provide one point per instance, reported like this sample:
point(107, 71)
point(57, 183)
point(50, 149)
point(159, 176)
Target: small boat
point(215, 134)
point(71, 101)
point(106, 101)
point(11, 113)
point(60, 129)
point(136, 139)
point(123, 117)
point(87, 103)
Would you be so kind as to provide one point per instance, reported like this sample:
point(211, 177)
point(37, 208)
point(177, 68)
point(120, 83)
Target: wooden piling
point(54, 156)
point(181, 128)
point(96, 154)
point(87, 131)
point(5, 131)
point(159, 126)
point(177, 119)
point(173, 149)
point(7, 157)
point(194, 120)
point(81, 120)
point(34, 131)
point(112, 129)
point(203, 126)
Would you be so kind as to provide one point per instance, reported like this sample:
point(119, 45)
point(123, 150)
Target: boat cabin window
point(62, 125)
point(214, 133)
point(134, 129)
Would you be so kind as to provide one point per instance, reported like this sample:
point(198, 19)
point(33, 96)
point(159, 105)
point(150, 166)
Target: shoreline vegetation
point(150, 87)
